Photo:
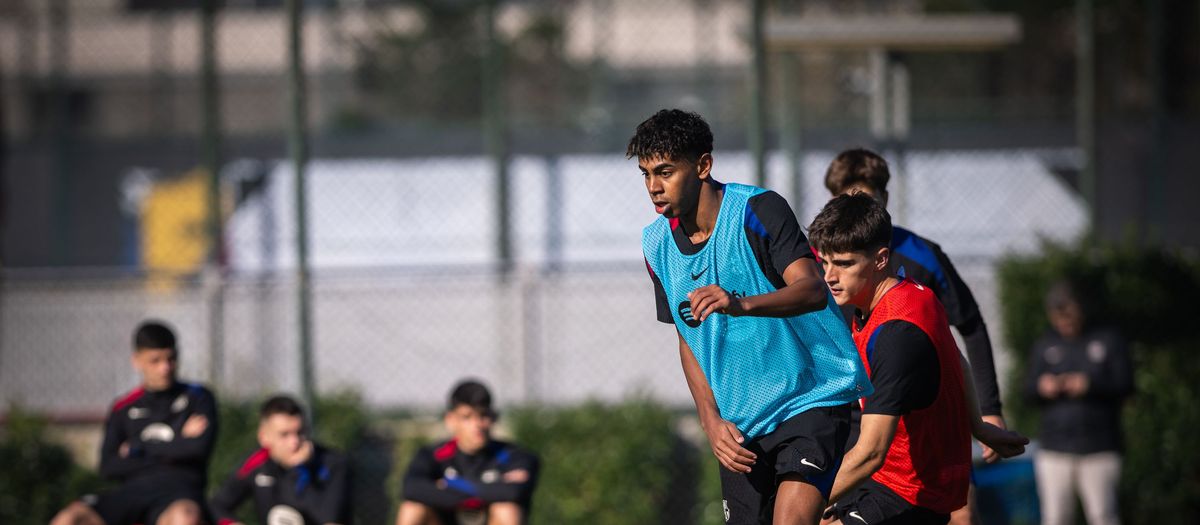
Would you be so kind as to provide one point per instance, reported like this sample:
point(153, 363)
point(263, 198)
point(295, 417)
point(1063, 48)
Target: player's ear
point(263, 441)
point(882, 257)
point(704, 166)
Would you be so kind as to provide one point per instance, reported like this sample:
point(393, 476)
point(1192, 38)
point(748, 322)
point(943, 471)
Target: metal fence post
point(758, 93)
point(495, 131)
point(298, 151)
point(214, 274)
point(1085, 105)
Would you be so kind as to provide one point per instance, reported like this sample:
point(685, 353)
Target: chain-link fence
point(416, 281)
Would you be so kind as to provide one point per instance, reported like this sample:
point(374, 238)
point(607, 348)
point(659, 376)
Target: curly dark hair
point(673, 134)
point(851, 223)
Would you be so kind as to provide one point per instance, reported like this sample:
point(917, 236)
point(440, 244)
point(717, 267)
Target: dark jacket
point(1090, 423)
point(318, 490)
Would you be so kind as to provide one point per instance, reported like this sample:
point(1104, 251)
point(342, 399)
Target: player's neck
point(881, 289)
point(700, 224)
point(169, 387)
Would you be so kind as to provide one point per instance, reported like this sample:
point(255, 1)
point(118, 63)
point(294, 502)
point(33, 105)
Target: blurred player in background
point(765, 352)
point(923, 261)
point(471, 478)
point(912, 460)
point(157, 442)
point(292, 480)
point(1079, 375)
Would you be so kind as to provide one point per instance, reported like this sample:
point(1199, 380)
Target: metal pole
point(211, 115)
point(60, 121)
point(877, 61)
point(758, 92)
point(791, 129)
point(1155, 191)
point(161, 32)
point(1085, 106)
point(898, 82)
point(495, 133)
point(298, 151)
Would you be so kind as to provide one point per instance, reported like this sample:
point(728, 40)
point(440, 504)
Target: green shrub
point(609, 464)
point(1147, 294)
point(37, 478)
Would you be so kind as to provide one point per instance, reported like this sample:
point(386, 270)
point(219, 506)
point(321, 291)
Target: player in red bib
point(915, 438)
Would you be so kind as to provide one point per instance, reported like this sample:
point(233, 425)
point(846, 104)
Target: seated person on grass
point(471, 478)
point(293, 480)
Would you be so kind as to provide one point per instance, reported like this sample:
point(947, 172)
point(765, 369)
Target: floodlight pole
point(298, 150)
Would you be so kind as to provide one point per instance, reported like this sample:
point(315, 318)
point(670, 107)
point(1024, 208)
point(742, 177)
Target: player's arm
point(723, 436)
point(196, 437)
point(516, 483)
point(118, 458)
point(874, 439)
point(997, 442)
point(804, 293)
point(906, 377)
point(963, 313)
point(232, 493)
point(787, 259)
point(333, 500)
point(421, 484)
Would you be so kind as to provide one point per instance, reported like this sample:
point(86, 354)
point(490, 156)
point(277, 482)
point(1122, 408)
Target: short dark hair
point(471, 393)
point(851, 223)
point(1065, 292)
point(857, 166)
point(153, 334)
point(280, 404)
point(673, 134)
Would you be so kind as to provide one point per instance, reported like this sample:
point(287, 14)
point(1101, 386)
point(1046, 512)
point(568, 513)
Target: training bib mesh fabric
point(761, 370)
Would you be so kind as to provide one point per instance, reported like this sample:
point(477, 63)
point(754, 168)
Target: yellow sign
point(174, 228)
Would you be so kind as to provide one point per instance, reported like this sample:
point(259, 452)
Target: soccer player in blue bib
point(765, 352)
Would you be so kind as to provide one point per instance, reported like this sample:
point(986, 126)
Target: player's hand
point(712, 299)
point(300, 456)
point(726, 442)
point(1075, 384)
point(990, 455)
point(123, 450)
point(1004, 443)
point(830, 515)
point(516, 476)
point(194, 426)
point(1049, 386)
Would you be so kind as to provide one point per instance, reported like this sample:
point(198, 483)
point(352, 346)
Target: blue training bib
point(762, 370)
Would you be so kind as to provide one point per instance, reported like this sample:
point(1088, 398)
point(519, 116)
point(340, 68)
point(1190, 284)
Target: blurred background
point(362, 201)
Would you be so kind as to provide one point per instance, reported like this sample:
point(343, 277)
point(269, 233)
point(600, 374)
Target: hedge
point(1148, 293)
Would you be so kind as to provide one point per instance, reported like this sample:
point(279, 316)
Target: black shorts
point(810, 444)
point(141, 501)
point(874, 504)
point(468, 517)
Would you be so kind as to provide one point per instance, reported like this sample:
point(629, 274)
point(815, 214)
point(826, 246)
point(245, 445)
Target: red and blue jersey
point(929, 461)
